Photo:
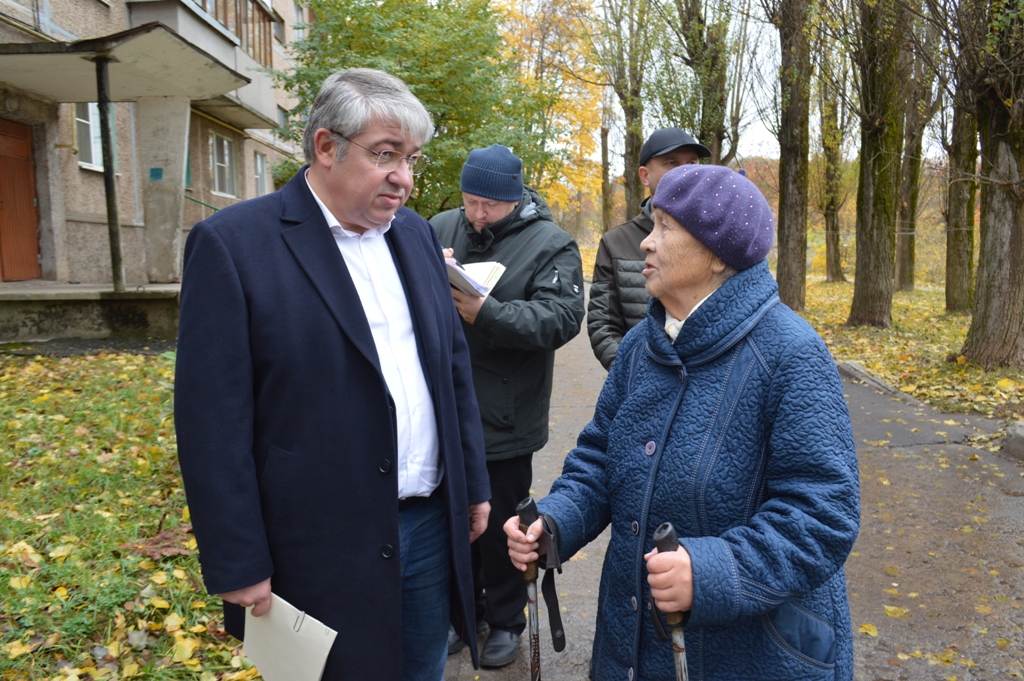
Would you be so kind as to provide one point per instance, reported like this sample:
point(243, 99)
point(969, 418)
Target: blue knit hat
point(494, 173)
point(722, 209)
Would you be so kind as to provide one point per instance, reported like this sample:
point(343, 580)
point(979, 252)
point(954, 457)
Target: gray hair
point(350, 100)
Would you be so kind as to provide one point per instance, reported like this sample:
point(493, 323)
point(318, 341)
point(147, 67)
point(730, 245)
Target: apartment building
point(193, 109)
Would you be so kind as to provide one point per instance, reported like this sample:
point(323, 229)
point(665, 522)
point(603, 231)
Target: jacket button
point(650, 447)
point(630, 674)
point(385, 466)
point(387, 551)
point(632, 601)
point(504, 418)
point(635, 527)
point(504, 380)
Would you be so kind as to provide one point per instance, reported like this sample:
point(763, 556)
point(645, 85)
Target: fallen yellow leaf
point(1006, 384)
point(129, 670)
point(20, 583)
point(159, 603)
point(983, 609)
point(868, 629)
point(62, 552)
point(173, 622)
point(185, 515)
point(894, 611)
point(61, 593)
point(159, 577)
point(183, 648)
point(179, 573)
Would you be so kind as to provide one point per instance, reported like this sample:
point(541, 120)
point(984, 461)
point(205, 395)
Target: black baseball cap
point(669, 139)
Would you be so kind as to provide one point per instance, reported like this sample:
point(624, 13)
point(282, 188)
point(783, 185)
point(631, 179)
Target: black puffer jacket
point(618, 295)
point(534, 309)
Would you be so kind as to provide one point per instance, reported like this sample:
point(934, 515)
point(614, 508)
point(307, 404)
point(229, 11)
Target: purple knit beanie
point(722, 209)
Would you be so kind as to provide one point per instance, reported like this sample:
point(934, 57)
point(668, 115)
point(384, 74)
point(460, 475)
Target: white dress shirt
point(375, 276)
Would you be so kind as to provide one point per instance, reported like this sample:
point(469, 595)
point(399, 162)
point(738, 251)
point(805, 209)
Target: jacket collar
point(716, 326)
point(310, 240)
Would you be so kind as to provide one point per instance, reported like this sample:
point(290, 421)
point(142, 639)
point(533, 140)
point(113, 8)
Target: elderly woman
point(723, 414)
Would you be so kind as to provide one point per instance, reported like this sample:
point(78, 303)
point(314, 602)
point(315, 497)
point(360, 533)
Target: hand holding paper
point(286, 644)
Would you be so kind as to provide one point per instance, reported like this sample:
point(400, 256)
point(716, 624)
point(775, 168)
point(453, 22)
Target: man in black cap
point(618, 295)
point(535, 307)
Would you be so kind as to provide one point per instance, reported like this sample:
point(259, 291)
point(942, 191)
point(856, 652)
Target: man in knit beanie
point(535, 308)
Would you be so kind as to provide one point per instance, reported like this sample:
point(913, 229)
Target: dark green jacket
point(534, 309)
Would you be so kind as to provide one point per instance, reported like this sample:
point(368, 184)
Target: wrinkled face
point(679, 269)
point(481, 211)
point(656, 168)
point(359, 194)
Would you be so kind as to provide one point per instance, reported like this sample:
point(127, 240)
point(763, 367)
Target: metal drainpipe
point(109, 182)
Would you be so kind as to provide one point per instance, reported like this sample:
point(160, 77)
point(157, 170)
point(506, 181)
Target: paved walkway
point(937, 570)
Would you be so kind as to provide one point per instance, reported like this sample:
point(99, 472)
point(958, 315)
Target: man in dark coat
point(618, 297)
point(535, 308)
point(328, 432)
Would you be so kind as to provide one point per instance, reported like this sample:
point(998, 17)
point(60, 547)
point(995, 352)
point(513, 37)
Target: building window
point(261, 175)
point(300, 20)
point(247, 19)
point(222, 165)
point(90, 146)
point(279, 30)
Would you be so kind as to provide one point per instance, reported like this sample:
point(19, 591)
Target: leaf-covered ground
point(98, 579)
point(913, 354)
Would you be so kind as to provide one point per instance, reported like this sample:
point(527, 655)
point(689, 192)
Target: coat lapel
point(313, 245)
point(408, 252)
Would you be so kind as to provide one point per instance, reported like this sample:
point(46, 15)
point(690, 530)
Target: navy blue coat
point(286, 432)
point(739, 435)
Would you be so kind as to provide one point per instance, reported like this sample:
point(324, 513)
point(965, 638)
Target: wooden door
point(19, 218)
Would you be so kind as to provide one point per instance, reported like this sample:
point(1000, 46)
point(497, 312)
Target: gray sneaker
point(501, 649)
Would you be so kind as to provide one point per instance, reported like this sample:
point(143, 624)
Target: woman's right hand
point(524, 548)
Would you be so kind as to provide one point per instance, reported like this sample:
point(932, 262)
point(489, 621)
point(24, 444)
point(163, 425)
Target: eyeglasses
point(390, 160)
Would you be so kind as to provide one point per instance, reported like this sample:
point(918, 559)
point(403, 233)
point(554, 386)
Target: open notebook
point(475, 279)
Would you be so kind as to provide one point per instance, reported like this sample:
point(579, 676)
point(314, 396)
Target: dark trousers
point(500, 587)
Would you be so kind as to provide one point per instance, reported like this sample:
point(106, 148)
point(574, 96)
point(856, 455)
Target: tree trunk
point(996, 335)
point(881, 34)
point(831, 148)
point(606, 183)
point(634, 113)
point(795, 77)
point(963, 160)
point(910, 190)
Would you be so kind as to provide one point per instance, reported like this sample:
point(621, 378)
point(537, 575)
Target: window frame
point(230, 166)
point(261, 173)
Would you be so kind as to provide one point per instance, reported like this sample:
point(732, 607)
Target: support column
point(163, 129)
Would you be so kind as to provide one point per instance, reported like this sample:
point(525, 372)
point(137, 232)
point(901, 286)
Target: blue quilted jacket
point(738, 434)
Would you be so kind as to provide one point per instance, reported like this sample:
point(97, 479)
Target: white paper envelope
point(286, 644)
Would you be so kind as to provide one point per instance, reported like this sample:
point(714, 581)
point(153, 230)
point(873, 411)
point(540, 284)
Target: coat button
point(504, 380)
point(632, 601)
point(650, 447)
point(635, 527)
point(385, 466)
point(387, 551)
point(630, 674)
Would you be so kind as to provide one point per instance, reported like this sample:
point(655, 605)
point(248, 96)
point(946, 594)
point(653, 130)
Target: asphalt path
point(936, 577)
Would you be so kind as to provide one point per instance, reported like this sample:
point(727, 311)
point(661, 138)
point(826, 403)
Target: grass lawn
point(98, 579)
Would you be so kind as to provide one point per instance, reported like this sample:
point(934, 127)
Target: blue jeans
point(425, 552)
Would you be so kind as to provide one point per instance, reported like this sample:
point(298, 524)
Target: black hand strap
point(660, 627)
point(547, 588)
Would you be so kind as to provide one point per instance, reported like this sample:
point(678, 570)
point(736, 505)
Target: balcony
point(236, 32)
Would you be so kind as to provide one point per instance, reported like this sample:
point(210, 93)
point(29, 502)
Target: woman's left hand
point(670, 579)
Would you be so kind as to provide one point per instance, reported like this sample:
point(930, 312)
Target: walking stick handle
point(666, 539)
point(528, 515)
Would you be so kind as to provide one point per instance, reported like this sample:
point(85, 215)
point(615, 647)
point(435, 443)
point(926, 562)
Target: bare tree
point(961, 191)
point(923, 101)
point(880, 34)
point(792, 19)
point(712, 40)
point(833, 81)
point(607, 119)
